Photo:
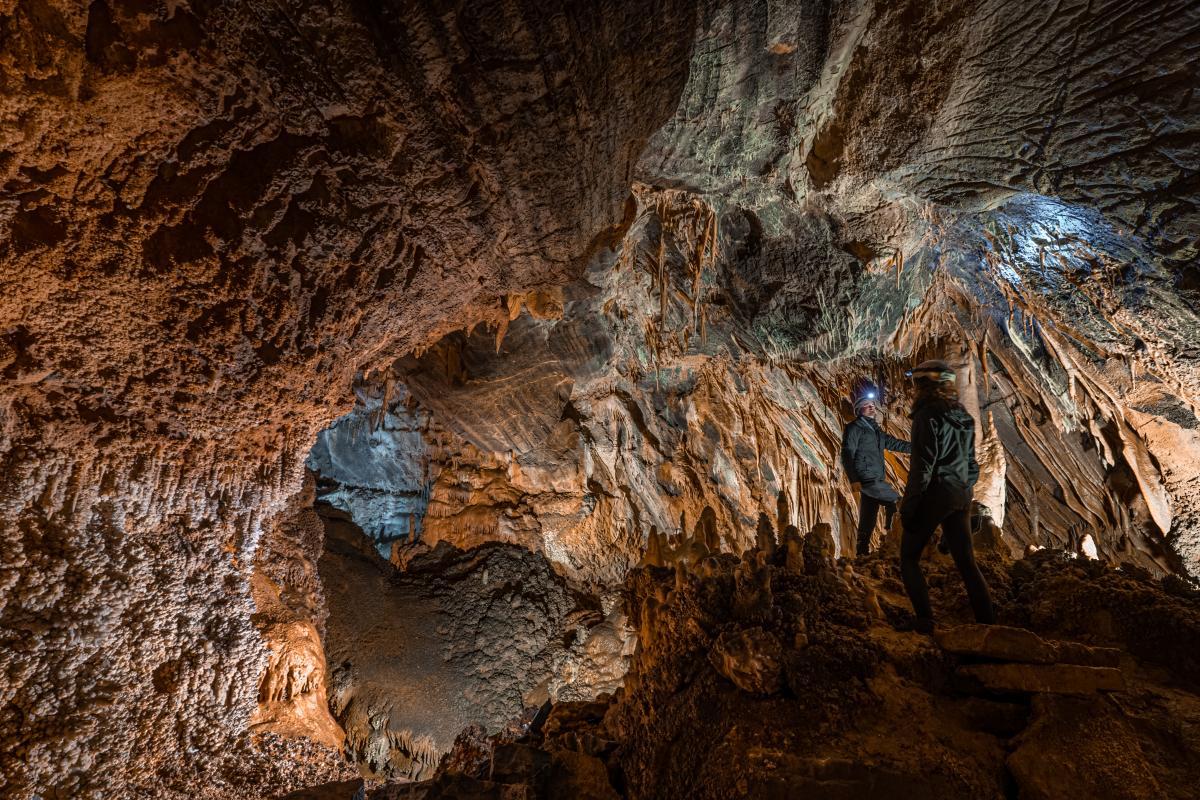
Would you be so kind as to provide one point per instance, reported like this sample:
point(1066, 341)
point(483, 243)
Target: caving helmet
point(935, 371)
point(868, 397)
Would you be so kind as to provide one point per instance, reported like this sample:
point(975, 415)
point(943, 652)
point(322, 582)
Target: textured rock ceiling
point(215, 215)
point(821, 229)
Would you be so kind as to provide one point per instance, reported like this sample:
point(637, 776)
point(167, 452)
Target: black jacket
point(943, 467)
point(863, 443)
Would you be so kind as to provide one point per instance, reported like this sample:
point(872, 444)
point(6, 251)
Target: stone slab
point(1037, 678)
point(1017, 644)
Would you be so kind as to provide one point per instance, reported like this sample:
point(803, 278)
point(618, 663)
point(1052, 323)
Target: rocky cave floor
point(785, 673)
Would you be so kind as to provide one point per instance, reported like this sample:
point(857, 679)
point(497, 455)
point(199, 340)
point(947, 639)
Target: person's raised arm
point(896, 445)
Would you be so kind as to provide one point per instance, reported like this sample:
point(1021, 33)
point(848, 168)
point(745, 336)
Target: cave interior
point(414, 399)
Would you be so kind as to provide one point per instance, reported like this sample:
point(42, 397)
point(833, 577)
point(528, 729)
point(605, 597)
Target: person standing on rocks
point(941, 481)
point(863, 443)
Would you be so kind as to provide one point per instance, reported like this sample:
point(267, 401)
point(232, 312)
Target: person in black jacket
point(863, 443)
point(941, 480)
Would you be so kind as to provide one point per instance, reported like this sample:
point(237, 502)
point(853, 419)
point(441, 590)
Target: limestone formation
point(751, 659)
point(213, 216)
point(290, 612)
point(452, 640)
point(648, 405)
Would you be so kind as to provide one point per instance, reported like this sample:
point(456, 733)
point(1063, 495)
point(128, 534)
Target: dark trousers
point(956, 531)
point(868, 512)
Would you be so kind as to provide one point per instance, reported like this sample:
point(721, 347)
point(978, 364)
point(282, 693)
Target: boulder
point(752, 659)
point(1083, 747)
point(580, 777)
point(518, 763)
point(571, 716)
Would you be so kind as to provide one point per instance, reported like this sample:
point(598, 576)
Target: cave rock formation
point(611, 268)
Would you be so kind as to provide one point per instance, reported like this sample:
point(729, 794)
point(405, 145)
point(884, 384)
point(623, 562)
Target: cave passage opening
point(464, 627)
point(375, 464)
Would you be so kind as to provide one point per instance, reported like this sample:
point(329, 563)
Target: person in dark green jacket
point(941, 481)
point(863, 443)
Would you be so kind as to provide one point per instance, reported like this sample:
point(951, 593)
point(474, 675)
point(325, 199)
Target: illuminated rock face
point(375, 464)
point(660, 393)
point(215, 215)
point(581, 434)
point(1040, 234)
point(290, 612)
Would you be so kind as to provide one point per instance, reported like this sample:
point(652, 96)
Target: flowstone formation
point(781, 674)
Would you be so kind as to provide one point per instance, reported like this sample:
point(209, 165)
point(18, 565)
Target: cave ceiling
point(627, 257)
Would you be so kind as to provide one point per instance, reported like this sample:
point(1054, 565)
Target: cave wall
point(647, 402)
point(1021, 177)
point(214, 215)
point(377, 463)
point(450, 638)
point(290, 611)
point(578, 436)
